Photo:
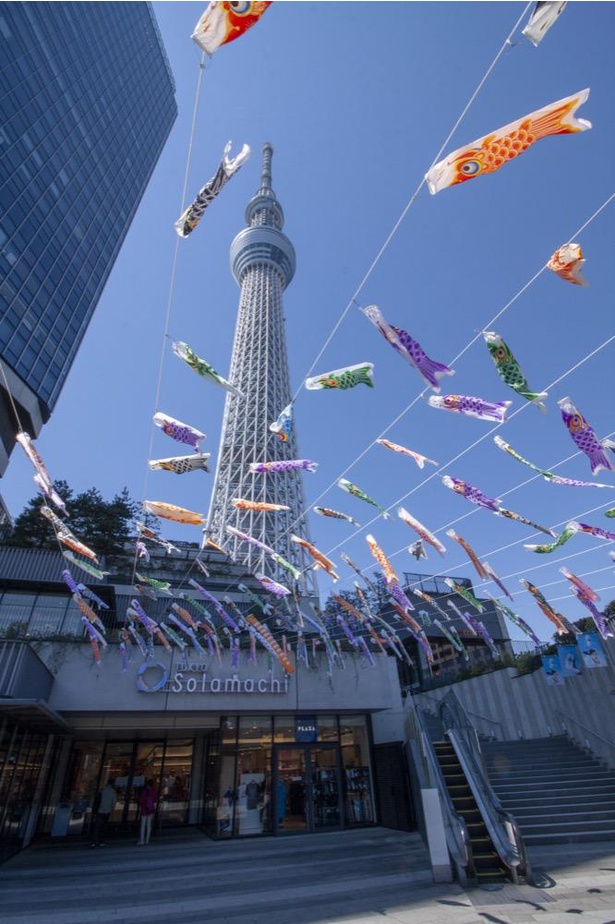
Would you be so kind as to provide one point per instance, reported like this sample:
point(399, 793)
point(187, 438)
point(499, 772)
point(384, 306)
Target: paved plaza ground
point(346, 877)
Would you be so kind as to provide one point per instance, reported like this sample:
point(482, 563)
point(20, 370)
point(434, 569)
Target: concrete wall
point(82, 686)
point(510, 707)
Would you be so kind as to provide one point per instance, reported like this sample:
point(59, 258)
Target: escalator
point(484, 842)
point(488, 867)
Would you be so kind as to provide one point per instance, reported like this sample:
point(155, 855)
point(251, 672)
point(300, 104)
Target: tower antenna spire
point(266, 173)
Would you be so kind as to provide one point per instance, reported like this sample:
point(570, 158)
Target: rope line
point(353, 300)
point(415, 401)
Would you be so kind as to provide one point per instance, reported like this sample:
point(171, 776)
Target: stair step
point(561, 801)
point(566, 827)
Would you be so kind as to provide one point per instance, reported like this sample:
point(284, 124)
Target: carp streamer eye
point(240, 9)
point(470, 168)
point(577, 422)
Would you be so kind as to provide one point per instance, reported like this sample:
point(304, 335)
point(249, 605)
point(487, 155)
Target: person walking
point(148, 800)
point(103, 806)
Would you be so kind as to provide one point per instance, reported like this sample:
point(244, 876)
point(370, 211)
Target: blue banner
point(553, 670)
point(570, 660)
point(591, 650)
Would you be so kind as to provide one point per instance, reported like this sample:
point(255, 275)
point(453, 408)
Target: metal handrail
point(501, 825)
point(590, 731)
point(456, 832)
point(483, 718)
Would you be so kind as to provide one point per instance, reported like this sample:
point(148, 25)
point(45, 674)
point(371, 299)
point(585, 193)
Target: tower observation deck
point(263, 264)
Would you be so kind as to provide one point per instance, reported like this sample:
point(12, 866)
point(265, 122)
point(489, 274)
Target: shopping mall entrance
point(307, 788)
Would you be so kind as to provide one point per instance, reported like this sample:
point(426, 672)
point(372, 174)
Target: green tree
point(104, 526)
point(32, 530)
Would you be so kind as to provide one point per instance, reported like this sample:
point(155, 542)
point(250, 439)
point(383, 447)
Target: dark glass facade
point(86, 102)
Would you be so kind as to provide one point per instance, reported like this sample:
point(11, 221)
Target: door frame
point(310, 827)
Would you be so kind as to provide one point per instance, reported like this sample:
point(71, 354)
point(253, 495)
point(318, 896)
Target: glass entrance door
point(306, 788)
point(291, 804)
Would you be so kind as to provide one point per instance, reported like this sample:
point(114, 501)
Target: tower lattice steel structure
point(263, 264)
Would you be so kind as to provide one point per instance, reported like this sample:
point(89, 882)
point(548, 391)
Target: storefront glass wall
point(290, 774)
point(21, 760)
point(129, 764)
point(354, 740)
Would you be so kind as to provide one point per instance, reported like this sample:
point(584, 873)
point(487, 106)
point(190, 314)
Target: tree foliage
point(104, 526)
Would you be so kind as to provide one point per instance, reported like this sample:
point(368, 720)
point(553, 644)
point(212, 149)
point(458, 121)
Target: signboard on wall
point(306, 729)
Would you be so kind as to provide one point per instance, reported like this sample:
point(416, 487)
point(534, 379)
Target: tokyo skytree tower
point(263, 264)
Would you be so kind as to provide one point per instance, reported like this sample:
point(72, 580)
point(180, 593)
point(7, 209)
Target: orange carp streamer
point(383, 561)
point(488, 154)
point(567, 262)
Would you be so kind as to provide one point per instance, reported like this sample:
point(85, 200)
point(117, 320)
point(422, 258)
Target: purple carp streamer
point(585, 438)
point(489, 153)
point(491, 573)
point(181, 464)
point(475, 496)
point(336, 515)
point(468, 406)
point(397, 593)
point(202, 368)
point(352, 489)
point(348, 377)
point(228, 166)
point(181, 432)
point(417, 456)
point(596, 531)
point(430, 371)
point(283, 465)
point(509, 370)
point(421, 530)
point(573, 483)
point(272, 586)
point(224, 616)
point(597, 616)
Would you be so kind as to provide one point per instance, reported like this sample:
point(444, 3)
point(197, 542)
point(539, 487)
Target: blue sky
point(357, 99)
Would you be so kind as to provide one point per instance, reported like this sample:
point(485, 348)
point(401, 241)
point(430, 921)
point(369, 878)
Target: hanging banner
point(553, 670)
point(591, 650)
point(570, 660)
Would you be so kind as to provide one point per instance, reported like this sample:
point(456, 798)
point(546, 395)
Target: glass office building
point(87, 102)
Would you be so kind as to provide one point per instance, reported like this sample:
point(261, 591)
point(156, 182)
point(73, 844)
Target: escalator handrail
point(501, 825)
point(457, 836)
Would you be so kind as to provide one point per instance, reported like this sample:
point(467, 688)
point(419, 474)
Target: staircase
point(488, 867)
point(556, 793)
